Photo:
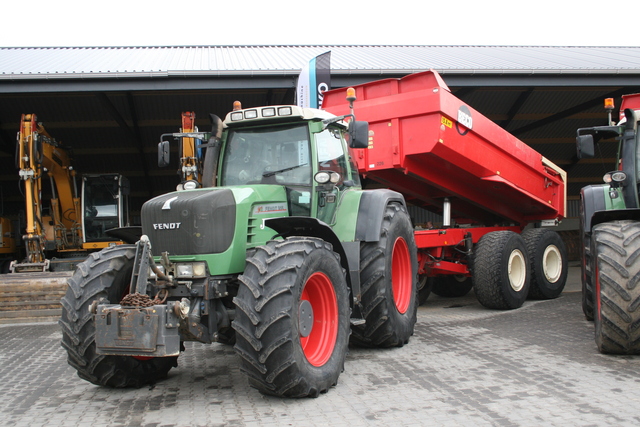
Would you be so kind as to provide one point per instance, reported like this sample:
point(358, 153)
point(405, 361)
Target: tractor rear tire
point(615, 249)
point(292, 318)
point(452, 286)
point(501, 270)
point(103, 276)
point(388, 276)
point(548, 263)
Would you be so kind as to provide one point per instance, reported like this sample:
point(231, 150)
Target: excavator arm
point(39, 156)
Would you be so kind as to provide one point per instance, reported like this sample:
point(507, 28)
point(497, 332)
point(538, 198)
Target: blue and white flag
point(314, 80)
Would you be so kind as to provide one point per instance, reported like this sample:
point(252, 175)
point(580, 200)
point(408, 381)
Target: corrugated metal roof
point(109, 62)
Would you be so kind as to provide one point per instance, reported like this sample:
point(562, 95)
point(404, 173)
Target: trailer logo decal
point(465, 121)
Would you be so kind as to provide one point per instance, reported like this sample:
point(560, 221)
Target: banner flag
point(314, 80)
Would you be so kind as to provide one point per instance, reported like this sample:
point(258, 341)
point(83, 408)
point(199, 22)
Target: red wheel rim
point(401, 275)
point(319, 344)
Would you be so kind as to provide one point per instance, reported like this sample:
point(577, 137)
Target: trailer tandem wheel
point(104, 275)
point(548, 263)
point(501, 270)
point(615, 247)
point(388, 276)
point(292, 317)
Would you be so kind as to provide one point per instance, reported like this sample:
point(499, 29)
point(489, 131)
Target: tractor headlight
point(190, 185)
point(615, 177)
point(192, 269)
point(322, 177)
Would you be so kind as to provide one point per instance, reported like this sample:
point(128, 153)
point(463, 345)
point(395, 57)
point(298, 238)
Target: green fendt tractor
point(610, 228)
point(278, 250)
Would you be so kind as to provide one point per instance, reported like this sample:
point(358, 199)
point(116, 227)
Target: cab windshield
point(273, 155)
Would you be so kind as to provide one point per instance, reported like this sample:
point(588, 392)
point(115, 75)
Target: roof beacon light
point(351, 95)
point(608, 104)
point(237, 105)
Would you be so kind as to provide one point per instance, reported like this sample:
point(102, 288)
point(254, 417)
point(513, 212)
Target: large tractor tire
point(452, 286)
point(388, 276)
point(103, 276)
point(615, 248)
point(548, 263)
point(501, 270)
point(292, 318)
point(588, 268)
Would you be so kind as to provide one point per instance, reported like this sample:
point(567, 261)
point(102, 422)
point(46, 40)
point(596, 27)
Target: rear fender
point(371, 211)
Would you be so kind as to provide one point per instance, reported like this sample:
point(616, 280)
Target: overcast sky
point(325, 22)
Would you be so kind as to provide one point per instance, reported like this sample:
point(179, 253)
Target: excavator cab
point(104, 206)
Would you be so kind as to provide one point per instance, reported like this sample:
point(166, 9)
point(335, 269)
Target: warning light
point(237, 105)
point(351, 94)
point(608, 104)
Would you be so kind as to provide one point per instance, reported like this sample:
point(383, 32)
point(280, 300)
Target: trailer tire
point(548, 263)
point(286, 351)
point(615, 249)
point(501, 270)
point(452, 286)
point(104, 276)
point(388, 276)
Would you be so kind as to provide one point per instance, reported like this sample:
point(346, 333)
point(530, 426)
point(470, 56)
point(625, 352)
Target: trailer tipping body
point(430, 146)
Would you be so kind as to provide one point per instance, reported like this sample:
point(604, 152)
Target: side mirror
point(163, 154)
point(585, 146)
point(125, 187)
point(358, 134)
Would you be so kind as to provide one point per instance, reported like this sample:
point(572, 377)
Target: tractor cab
point(306, 153)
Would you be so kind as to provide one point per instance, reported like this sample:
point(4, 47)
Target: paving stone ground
point(465, 365)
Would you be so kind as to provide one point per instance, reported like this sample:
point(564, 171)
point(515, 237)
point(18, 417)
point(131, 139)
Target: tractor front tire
point(388, 276)
point(292, 318)
point(104, 276)
point(501, 270)
point(615, 248)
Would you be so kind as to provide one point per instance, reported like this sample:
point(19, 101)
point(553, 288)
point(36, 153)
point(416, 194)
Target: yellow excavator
point(70, 225)
point(190, 150)
point(7, 244)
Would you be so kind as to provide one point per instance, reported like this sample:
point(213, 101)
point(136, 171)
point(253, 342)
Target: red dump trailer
point(493, 191)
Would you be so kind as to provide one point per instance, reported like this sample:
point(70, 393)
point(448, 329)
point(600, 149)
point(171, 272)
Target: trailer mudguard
point(371, 210)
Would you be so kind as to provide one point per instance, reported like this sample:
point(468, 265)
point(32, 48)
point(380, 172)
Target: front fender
point(312, 227)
